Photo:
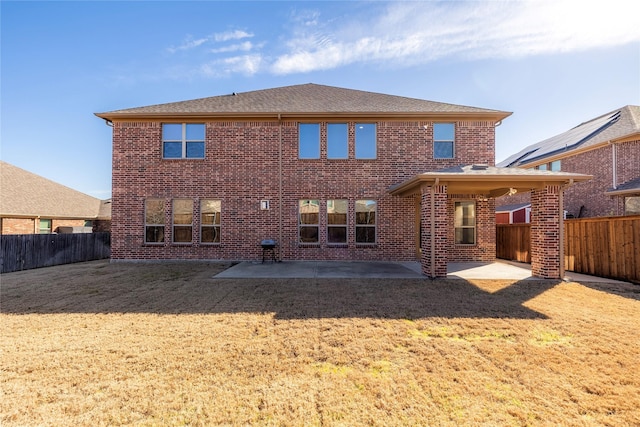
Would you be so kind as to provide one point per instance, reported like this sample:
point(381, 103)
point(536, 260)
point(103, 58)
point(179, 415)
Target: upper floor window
point(309, 221)
point(154, 221)
point(308, 141)
point(465, 222)
point(554, 166)
point(182, 220)
point(366, 141)
point(210, 221)
point(366, 221)
point(337, 143)
point(443, 140)
point(337, 221)
point(183, 140)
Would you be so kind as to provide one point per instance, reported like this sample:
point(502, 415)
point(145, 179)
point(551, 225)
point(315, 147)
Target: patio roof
point(491, 181)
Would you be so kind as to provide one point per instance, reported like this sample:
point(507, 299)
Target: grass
point(97, 344)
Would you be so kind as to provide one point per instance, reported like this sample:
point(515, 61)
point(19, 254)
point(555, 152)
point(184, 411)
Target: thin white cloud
point(244, 47)
point(188, 44)
point(231, 35)
point(417, 32)
point(243, 64)
point(191, 43)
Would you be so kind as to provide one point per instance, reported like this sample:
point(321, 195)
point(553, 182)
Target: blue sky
point(554, 64)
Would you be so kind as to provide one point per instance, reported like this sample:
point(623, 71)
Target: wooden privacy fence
point(513, 242)
point(27, 251)
point(604, 247)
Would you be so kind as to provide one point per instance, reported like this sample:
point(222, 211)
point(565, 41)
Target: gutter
point(420, 115)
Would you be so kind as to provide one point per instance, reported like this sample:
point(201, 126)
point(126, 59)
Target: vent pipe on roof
point(480, 167)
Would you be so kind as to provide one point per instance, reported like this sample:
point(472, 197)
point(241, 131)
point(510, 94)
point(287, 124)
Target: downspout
point(614, 166)
point(280, 186)
point(433, 227)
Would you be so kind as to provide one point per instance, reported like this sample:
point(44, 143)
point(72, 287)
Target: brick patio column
point(435, 226)
point(545, 232)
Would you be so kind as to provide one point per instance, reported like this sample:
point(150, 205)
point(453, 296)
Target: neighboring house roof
point(25, 194)
point(304, 99)
point(615, 126)
point(490, 180)
point(628, 188)
point(513, 207)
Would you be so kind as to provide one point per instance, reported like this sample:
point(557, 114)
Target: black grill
point(268, 247)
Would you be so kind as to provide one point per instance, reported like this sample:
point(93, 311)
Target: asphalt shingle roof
point(512, 207)
point(303, 99)
point(611, 126)
point(631, 186)
point(24, 193)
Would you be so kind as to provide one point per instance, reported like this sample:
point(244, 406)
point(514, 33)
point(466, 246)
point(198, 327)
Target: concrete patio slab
point(388, 270)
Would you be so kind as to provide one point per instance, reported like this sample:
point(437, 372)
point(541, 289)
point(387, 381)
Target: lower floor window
point(366, 221)
point(465, 222)
point(154, 221)
point(308, 221)
point(632, 205)
point(337, 221)
point(210, 221)
point(44, 226)
point(182, 220)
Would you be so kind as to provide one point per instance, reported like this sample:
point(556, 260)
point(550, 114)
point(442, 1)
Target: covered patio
point(437, 193)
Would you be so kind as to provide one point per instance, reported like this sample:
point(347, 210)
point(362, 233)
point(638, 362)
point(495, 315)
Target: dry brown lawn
point(99, 344)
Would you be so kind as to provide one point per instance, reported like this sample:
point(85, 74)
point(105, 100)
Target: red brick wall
point(591, 194)
point(628, 161)
point(587, 199)
point(241, 168)
point(545, 232)
point(485, 247)
point(18, 226)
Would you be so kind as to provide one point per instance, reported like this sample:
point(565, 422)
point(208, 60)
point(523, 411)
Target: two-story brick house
point(328, 173)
